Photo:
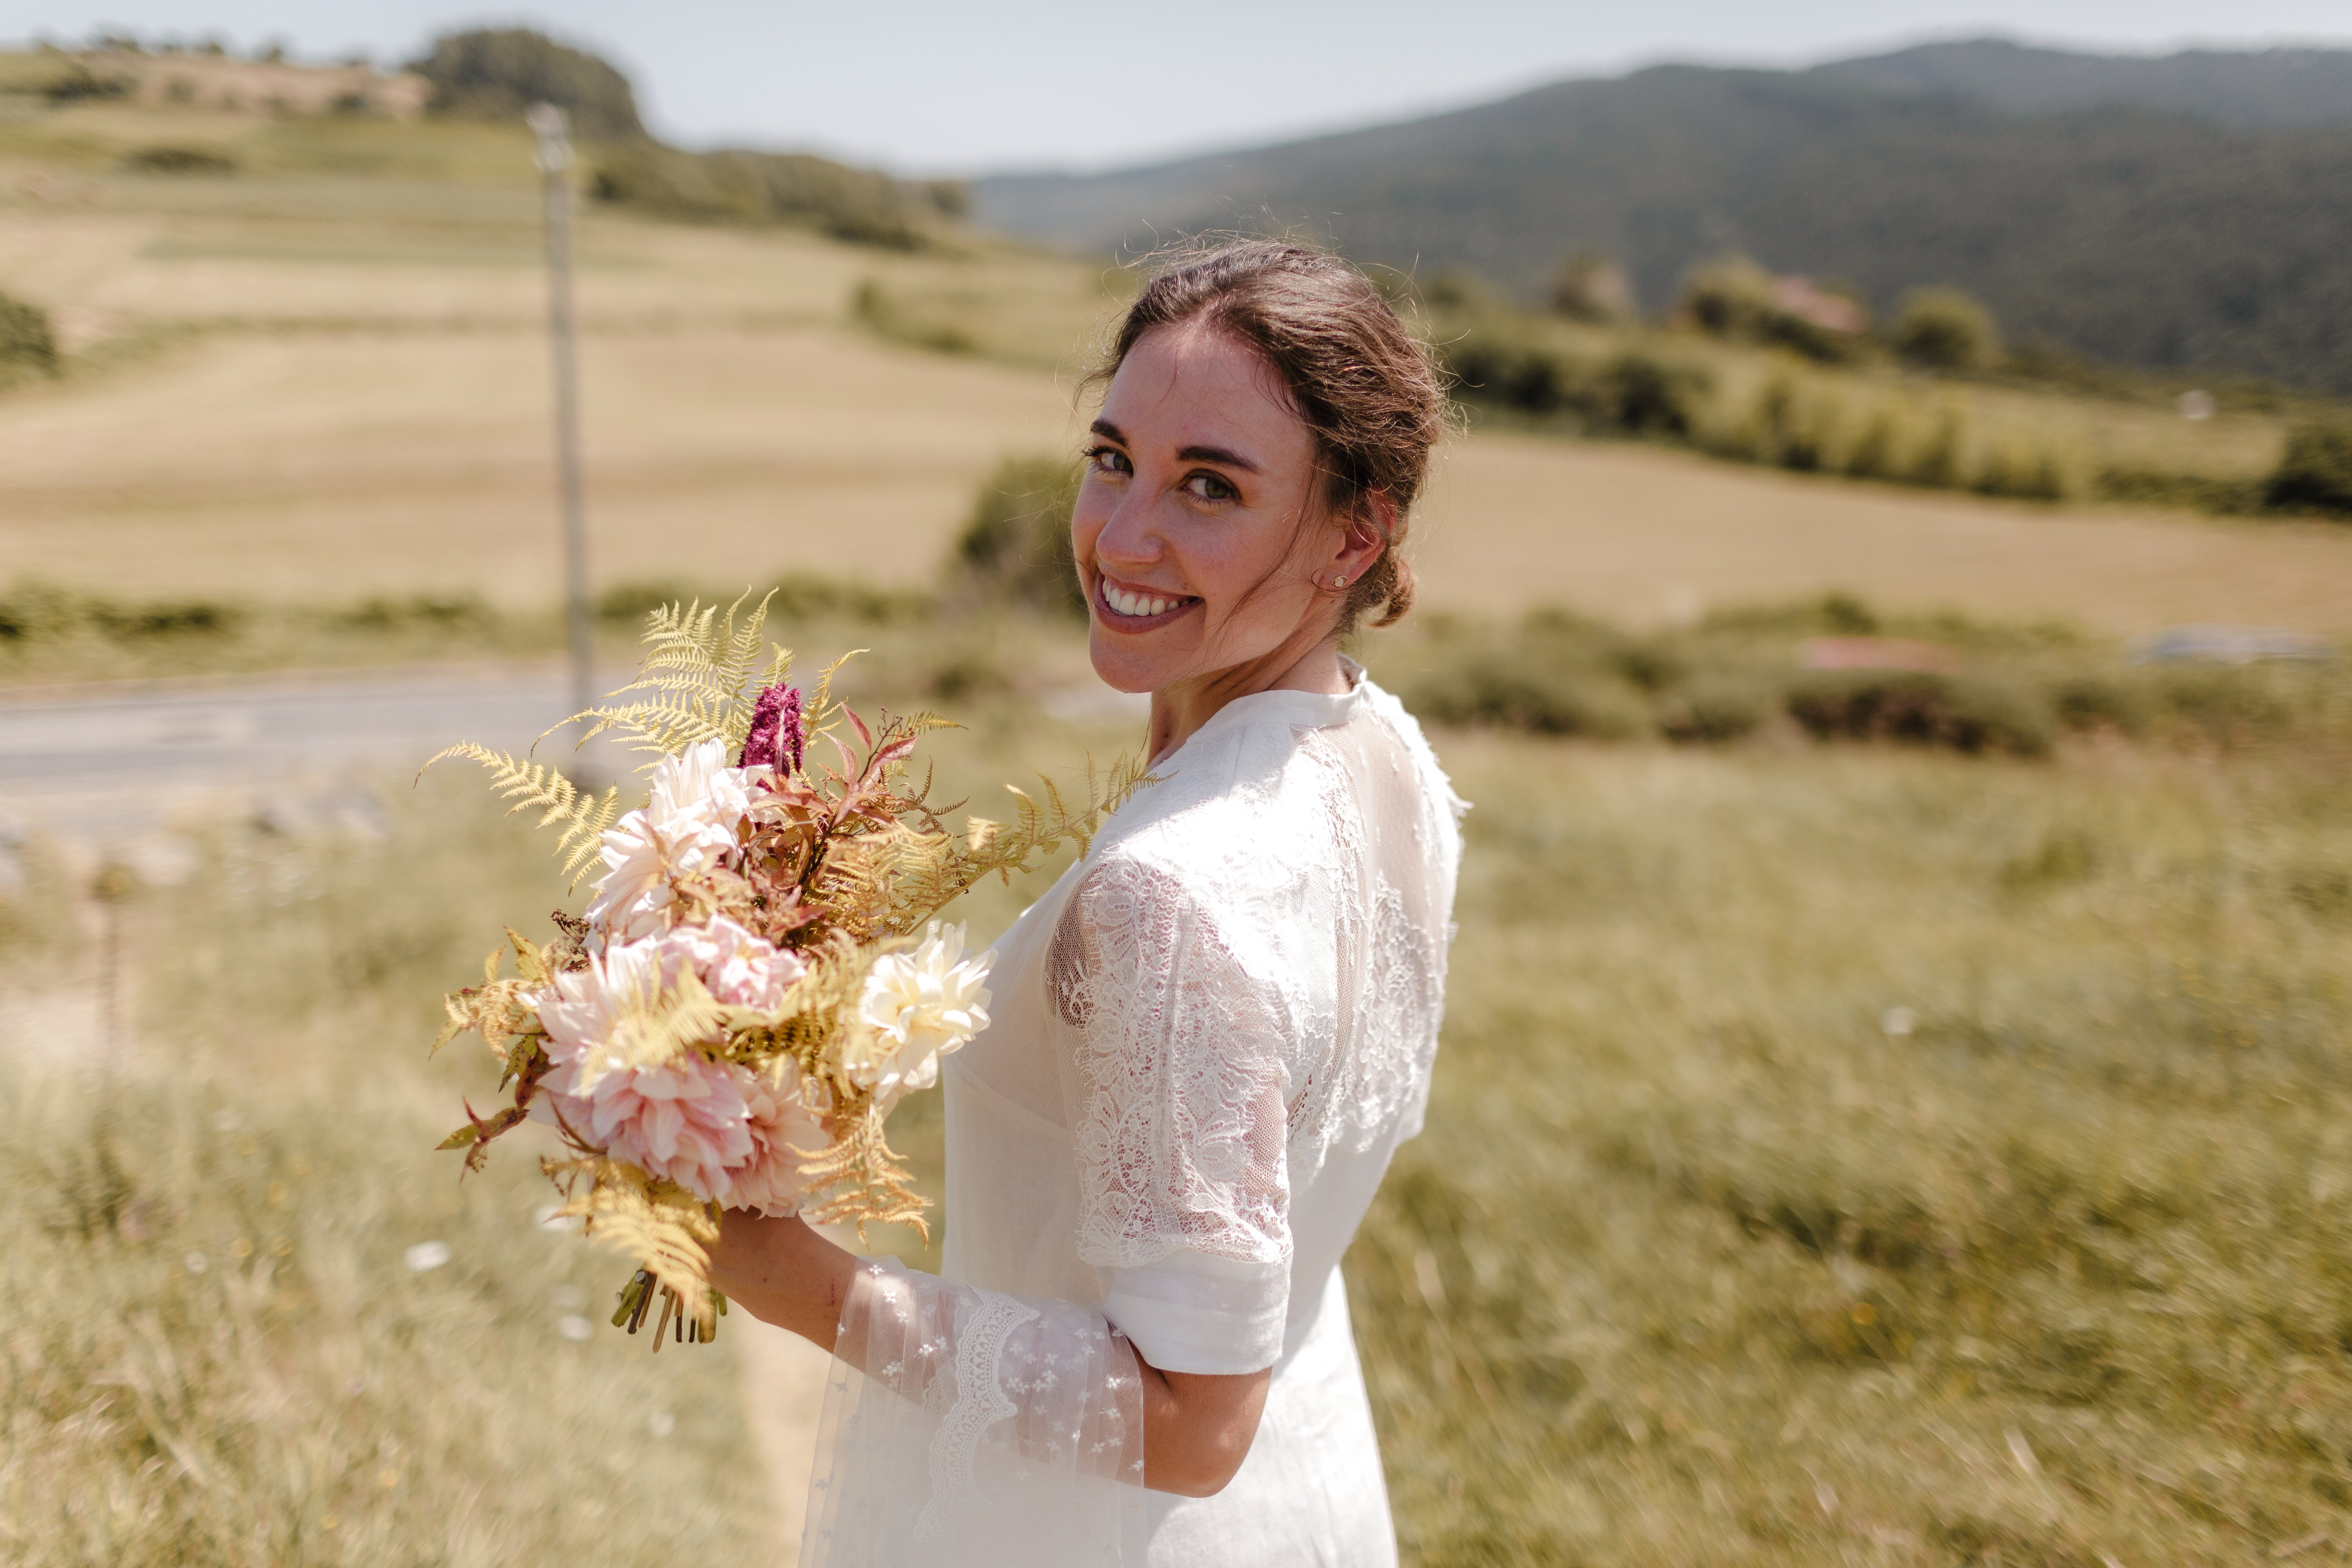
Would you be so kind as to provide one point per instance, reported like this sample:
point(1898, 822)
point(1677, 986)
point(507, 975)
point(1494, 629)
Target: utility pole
point(555, 179)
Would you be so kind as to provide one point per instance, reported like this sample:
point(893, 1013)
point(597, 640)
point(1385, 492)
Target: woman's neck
point(1178, 710)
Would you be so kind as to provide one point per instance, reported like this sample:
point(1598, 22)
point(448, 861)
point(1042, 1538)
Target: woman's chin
point(1120, 665)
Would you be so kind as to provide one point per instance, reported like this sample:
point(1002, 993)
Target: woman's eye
point(1209, 487)
point(1109, 461)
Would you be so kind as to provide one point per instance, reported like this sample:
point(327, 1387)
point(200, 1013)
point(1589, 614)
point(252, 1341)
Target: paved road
point(132, 756)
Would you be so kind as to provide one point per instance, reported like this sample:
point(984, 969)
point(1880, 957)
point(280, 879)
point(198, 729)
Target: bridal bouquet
point(758, 977)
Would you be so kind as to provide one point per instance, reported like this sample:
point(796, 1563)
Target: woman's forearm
point(783, 1272)
point(1197, 1428)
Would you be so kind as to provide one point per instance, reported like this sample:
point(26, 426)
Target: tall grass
point(1835, 1153)
point(1861, 1157)
point(216, 1350)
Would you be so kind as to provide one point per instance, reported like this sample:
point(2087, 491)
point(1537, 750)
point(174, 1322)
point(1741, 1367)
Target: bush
point(2316, 474)
point(855, 205)
point(1592, 287)
point(1734, 298)
point(1016, 546)
point(1516, 693)
point(1632, 392)
point(499, 73)
point(179, 161)
point(36, 613)
point(27, 346)
point(792, 597)
point(1944, 329)
point(1917, 708)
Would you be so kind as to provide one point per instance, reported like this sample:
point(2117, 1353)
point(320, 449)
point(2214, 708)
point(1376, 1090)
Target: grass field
point(325, 378)
point(1838, 1154)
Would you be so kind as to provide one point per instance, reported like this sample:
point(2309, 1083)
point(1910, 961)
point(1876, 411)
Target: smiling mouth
point(1138, 610)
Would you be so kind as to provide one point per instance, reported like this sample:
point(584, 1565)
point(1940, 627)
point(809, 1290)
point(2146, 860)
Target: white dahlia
point(918, 1006)
point(690, 825)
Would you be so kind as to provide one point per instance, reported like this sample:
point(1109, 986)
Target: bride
point(1210, 1036)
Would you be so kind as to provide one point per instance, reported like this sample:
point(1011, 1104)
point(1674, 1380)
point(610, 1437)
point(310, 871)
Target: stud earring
point(1339, 580)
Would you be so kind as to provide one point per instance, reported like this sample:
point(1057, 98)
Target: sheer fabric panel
point(986, 1431)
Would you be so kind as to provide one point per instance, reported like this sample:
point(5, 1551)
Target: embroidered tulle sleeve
point(984, 1430)
point(1177, 1089)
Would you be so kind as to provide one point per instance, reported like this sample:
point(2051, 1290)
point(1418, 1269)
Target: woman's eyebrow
point(1216, 455)
point(1229, 457)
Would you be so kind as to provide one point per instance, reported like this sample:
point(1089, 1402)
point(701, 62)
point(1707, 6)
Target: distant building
point(259, 87)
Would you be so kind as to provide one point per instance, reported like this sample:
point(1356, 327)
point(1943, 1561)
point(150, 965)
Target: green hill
point(2109, 219)
point(2264, 89)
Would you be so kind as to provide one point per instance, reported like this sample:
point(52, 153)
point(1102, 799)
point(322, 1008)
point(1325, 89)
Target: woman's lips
point(1137, 609)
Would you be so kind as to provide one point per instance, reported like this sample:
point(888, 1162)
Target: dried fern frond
point(874, 1184)
point(698, 678)
point(658, 1224)
point(652, 1026)
point(944, 868)
point(535, 787)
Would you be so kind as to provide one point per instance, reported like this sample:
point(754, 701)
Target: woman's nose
point(1128, 535)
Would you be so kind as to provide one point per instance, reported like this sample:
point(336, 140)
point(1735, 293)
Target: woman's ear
point(1365, 534)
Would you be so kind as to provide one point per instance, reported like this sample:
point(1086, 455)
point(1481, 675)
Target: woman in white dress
point(1212, 1033)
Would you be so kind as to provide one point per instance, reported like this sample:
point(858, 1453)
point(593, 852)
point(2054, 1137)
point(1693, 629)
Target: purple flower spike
point(778, 733)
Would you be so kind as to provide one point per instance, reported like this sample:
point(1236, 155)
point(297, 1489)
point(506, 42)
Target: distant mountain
point(2264, 90)
point(2134, 231)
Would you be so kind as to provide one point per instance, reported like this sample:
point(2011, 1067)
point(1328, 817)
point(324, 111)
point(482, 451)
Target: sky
point(965, 88)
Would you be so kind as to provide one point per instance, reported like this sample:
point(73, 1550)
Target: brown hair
point(1365, 386)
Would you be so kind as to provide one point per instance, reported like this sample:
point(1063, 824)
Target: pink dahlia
point(784, 1133)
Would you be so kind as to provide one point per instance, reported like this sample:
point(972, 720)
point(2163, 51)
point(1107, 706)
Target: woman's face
point(1200, 531)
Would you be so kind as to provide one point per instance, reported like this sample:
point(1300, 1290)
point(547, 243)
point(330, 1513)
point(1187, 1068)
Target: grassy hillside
point(1834, 1150)
point(2128, 233)
point(320, 381)
point(2253, 89)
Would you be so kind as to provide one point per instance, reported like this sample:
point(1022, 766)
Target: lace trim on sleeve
point(985, 1431)
point(1176, 1060)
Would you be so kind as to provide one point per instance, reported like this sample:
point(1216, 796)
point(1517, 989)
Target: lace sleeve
point(1175, 1055)
point(984, 1430)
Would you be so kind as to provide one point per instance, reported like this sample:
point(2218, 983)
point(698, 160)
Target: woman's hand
point(782, 1273)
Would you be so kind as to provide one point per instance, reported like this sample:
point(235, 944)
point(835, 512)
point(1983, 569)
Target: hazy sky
point(934, 86)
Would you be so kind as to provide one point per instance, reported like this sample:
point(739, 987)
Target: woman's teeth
point(1128, 604)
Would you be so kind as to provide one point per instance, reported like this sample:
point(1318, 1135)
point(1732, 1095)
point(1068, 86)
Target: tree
point(1591, 287)
point(2316, 474)
point(1946, 329)
point(499, 73)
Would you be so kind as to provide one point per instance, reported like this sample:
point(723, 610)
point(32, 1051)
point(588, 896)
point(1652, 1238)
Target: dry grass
point(217, 1352)
point(306, 383)
point(1710, 1257)
point(1639, 533)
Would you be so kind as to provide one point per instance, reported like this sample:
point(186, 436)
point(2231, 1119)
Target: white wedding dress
point(1208, 1038)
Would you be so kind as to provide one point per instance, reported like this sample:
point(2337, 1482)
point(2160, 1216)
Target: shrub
point(2315, 473)
point(1632, 393)
point(1734, 298)
point(872, 307)
point(1014, 548)
point(1919, 707)
point(1944, 329)
point(1591, 287)
point(1714, 710)
point(792, 596)
point(27, 346)
point(1508, 689)
point(499, 73)
point(179, 161)
point(439, 612)
point(39, 614)
point(1642, 395)
point(855, 205)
